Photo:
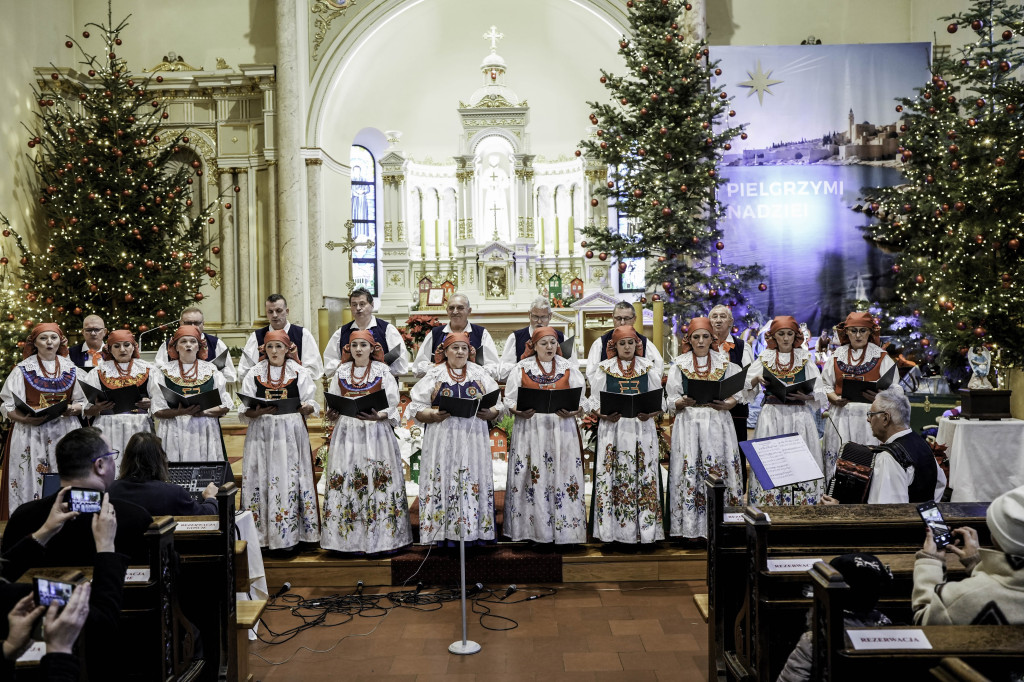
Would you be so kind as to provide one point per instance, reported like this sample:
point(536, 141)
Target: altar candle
point(556, 235)
point(572, 236)
point(658, 330)
point(423, 239)
point(451, 245)
point(437, 241)
point(542, 245)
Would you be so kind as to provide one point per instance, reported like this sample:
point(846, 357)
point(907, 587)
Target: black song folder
point(353, 407)
point(124, 399)
point(205, 400)
point(629, 405)
point(709, 391)
point(283, 405)
point(55, 411)
point(854, 390)
point(548, 401)
point(782, 391)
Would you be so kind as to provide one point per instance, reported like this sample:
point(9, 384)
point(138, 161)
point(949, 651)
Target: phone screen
point(85, 500)
point(933, 519)
point(52, 591)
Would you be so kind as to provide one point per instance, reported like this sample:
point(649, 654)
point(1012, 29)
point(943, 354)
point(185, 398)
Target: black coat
point(160, 498)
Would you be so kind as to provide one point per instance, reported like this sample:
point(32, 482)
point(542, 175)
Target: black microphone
point(508, 593)
point(284, 588)
point(419, 587)
point(475, 589)
point(359, 588)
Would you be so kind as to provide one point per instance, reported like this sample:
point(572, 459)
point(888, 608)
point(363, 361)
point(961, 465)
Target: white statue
point(981, 364)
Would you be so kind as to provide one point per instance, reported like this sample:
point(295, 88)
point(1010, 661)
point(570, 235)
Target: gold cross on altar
point(494, 37)
point(348, 246)
point(494, 209)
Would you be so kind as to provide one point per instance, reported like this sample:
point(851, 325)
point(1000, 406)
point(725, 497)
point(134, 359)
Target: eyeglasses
point(112, 453)
point(93, 330)
point(619, 318)
point(872, 414)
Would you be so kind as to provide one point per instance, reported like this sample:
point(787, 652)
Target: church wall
point(28, 38)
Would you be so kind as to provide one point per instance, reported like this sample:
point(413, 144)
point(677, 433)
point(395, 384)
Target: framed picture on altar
point(435, 297)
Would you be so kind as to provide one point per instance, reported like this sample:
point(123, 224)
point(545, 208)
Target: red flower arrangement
point(416, 329)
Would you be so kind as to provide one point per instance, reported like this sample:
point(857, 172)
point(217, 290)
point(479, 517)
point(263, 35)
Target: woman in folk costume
point(626, 503)
point(544, 495)
point(120, 367)
point(703, 436)
point(189, 434)
point(859, 358)
point(456, 477)
point(365, 508)
point(45, 377)
point(277, 479)
point(790, 363)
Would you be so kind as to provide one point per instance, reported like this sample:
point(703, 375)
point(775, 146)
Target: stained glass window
point(634, 278)
point(364, 218)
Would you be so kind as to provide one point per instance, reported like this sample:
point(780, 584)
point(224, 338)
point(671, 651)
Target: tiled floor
point(593, 632)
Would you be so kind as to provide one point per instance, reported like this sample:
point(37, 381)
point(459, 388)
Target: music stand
point(464, 646)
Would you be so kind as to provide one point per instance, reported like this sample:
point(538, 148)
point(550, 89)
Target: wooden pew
point(152, 626)
point(772, 614)
point(993, 650)
point(206, 550)
point(727, 544)
point(955, 670)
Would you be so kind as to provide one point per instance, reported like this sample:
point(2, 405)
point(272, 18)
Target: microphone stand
point(463, 646)
point(162, 326)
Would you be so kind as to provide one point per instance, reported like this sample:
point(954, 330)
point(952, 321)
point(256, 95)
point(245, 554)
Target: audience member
point(60, 632)
point(993, 592)
point(143, 480)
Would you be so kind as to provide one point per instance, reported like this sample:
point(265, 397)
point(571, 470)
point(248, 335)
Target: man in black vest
point(277, 314)
point(214, 346)
point(622, 315)
point(87, 355)
point(360, 301)
point(905, 471)
point(740, 354)
point(515, 344)
point(459, 310)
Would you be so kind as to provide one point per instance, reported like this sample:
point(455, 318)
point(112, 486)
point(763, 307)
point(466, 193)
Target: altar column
point(293, 251)
point(247, 289)
point(228, 247)
point(314, 225)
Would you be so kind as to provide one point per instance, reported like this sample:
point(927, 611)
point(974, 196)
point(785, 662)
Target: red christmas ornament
point(1014, 244)
point(979, 331)
point(762, 287)
point(977, 24)
point(926, 342)
point(129, 266)
point(602, 256)
point(199, 296)
point(896, 268)
point(211, 272)
point(594, 202)
point(952, 28)
point(743, 136)
point(980, 103)
point(666, 211)
point(622, 267)
point(128, 298)
point(578, 152)
point(719, 245)
point(187, 265)
point(683, 189)
point(589, 254)
point(1000, 161)
point(93, 288)
point(919, 279)
point(176, 285)
point(77, 311)
point(955, 165)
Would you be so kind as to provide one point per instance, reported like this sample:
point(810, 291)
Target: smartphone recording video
point(85, 501)
point(933, 519)
point(52, 592)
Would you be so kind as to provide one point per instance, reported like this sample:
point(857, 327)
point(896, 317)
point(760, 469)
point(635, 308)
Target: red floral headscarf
point(859, 320)
point(282, 336)
point(119, 336)
point(30, 341)
point(364, 334)
point(538, 334)
point(784, 322)
point(183, 331)
point(695, 324)
point(623, 332)
point(453, 337)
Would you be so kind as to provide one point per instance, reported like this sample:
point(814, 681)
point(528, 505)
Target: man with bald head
point(87, 355)
point(459, 310)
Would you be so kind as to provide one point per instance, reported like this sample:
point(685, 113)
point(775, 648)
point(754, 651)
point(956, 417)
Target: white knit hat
point(1005, 519)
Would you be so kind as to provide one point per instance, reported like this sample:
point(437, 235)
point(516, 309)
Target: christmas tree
point(662, 137)
point(956, 222)
point(119, 237)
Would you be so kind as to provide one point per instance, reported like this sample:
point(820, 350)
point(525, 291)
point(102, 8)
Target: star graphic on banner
point(759, 82)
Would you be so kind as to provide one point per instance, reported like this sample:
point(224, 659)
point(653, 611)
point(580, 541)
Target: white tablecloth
point(257, 577)
point(986, 458)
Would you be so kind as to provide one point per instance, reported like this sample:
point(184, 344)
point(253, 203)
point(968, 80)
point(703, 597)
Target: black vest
point(641, 351)
point(741, 410)
point(912, 450)
point(476, 339)
point(379, 332)
point(294, 333)
point(78, 356)
point(523, 335)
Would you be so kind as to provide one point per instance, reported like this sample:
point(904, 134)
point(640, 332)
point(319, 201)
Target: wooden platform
point(591, 563)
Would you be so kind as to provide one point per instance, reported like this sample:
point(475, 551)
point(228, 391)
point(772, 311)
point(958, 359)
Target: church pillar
point(247, 289)
point(314, 224)
point(228, 249)
point(272, 284)
point(292, 241)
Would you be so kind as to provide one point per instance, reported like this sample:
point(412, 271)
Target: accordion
point(852, 479)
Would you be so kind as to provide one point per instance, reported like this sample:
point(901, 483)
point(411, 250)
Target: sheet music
point(781, 460)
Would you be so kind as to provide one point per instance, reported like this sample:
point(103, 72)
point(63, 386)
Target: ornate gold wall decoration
point(389, 230)
point(326, 11)
point(173, 62)
point(401, 230)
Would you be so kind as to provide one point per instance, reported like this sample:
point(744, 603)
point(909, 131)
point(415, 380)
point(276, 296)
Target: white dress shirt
point(490, 361)
point(890, 483)
point(509, 359)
